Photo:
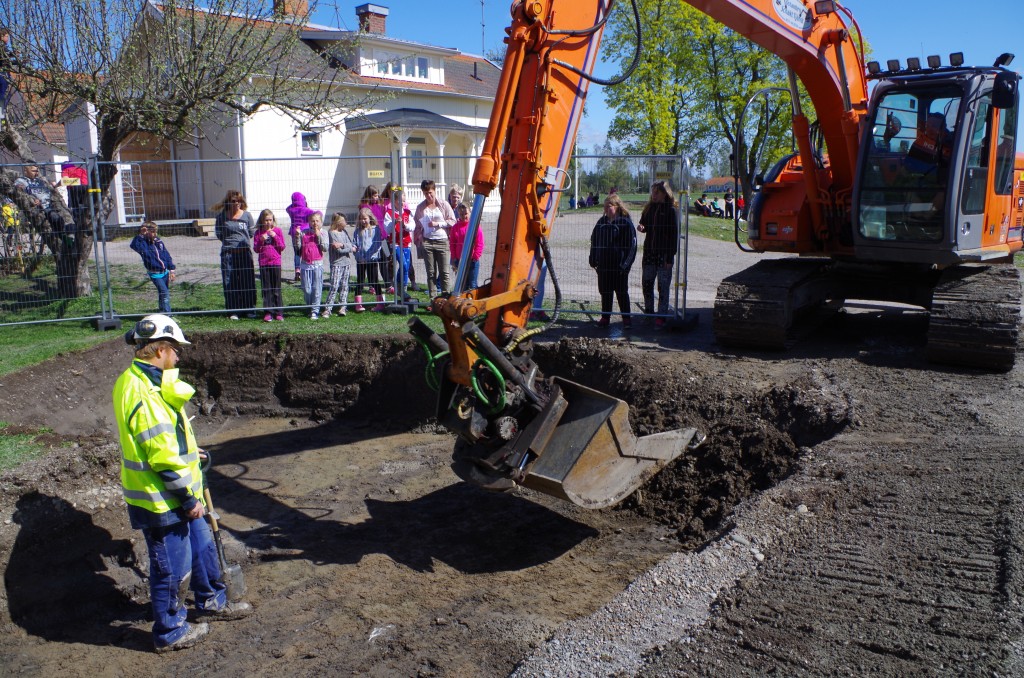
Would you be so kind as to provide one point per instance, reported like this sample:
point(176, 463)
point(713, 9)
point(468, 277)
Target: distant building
point(431, 125)
point(718, 185)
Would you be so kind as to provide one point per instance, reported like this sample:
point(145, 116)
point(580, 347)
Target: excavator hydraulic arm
point(514, 425)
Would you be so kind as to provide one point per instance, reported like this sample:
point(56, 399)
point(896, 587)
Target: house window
point(384, 64)
point(311, 143)
point(416, 158)
point(409, 67)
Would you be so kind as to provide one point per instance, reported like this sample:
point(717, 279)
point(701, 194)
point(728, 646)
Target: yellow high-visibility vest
point(155, 436)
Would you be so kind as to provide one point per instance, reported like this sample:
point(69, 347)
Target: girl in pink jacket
point(298, 213)
point(268, 244)
point(457, 239)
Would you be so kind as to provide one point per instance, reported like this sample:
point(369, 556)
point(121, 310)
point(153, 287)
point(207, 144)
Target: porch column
point(476, 142)
point(440, 137)
point(360, 138)
point(402, 138)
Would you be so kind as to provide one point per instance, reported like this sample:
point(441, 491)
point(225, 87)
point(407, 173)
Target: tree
point(169, 71)
point(651, 105)
point(695, 77)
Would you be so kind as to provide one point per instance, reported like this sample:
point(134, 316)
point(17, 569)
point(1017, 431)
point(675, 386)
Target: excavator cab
point(935, 166)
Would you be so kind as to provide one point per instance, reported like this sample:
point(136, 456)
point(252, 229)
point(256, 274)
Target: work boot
point(195, 634)
point(229, 612)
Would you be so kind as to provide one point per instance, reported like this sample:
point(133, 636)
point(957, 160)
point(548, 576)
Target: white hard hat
point(154, 327)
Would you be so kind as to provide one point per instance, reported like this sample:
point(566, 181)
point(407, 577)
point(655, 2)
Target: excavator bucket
point(591, 457)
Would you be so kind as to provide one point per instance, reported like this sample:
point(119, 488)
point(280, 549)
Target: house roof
point(465, 74)
point(36, 107)
point(407, 118)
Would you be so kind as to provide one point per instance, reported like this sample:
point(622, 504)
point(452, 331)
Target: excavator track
point(757, 307)
point(975, 317)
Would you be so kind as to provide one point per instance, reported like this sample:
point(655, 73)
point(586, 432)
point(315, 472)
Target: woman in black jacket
point(659, 222)
point(612, 251)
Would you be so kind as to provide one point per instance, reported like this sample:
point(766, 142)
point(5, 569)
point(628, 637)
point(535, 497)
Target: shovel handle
point(211, 513)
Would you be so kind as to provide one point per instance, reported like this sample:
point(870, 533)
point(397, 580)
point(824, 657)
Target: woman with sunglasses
point(234, 228)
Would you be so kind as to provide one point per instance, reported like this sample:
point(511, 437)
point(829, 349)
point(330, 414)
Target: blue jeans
point(661, 274)
point(181, 555)
point(471, 274)
point(163, 290)
point(405, 263)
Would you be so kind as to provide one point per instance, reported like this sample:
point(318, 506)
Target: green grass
point(25, 345)
point(18, 448)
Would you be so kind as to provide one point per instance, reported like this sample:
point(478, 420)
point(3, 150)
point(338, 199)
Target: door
point(970, 220)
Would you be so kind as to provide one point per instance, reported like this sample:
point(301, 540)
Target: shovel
point(232, 575)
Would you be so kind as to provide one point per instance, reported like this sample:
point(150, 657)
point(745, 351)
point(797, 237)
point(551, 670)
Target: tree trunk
point(70, 247)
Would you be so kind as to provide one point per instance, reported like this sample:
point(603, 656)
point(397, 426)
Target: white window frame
point(399, 66)
point(307, 149)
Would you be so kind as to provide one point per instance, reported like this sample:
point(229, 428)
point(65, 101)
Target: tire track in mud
point(916, 567)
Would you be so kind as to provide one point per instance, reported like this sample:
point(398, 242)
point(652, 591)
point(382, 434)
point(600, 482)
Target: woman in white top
point(433, 218)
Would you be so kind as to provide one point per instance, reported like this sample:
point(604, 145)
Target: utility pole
point(483, 33)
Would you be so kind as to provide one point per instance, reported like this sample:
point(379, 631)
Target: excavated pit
point(362, 551)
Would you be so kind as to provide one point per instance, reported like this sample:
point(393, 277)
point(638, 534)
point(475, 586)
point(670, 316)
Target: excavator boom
point(515, 426)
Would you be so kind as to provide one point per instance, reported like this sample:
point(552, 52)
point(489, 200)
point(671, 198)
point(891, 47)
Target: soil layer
point(364, 556)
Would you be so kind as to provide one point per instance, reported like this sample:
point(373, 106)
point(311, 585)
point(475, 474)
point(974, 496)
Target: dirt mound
point(754, 435)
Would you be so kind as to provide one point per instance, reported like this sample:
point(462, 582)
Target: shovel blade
point(232, 575)
point(592, 458)
point(235, 582)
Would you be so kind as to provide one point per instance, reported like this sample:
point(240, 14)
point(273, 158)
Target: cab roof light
point(913, 64)
point(824, 6)
point(874, 68)
point(1004, 59)
point(934, 61)
point(956, 59)
point(893, 64)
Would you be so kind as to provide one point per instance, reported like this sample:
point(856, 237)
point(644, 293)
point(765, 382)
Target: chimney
point(372, 18)
point(294, 8)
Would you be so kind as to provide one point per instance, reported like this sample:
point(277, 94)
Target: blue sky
point(981, 29)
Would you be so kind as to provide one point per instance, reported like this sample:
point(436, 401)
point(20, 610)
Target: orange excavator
point(875, 210)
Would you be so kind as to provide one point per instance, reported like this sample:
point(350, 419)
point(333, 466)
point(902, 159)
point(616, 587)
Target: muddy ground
point(364, 556)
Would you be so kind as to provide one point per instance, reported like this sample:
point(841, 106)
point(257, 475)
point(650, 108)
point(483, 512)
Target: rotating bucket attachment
point(592, 457)
point(551, 435)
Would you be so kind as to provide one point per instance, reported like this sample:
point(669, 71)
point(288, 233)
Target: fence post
point(107, 319)
point(683, 319)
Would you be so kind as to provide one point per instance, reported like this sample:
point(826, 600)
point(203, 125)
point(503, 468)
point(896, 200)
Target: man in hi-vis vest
point(163, 487)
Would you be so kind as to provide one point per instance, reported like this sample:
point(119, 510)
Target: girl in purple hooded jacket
point(299, 214)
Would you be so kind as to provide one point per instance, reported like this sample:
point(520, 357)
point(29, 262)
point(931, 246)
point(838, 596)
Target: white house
point(430, 124)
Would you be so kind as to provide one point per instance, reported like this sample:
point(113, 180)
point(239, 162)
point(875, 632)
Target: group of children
point(378, 249)
point(360, 250)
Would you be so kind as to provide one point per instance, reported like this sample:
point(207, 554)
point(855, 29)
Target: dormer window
point(406, 67)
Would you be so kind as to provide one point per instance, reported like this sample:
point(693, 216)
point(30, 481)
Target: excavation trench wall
point(754, 432)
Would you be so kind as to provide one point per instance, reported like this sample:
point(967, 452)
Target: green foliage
point(652, 104)
point(694, 79)
point(17, 448)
